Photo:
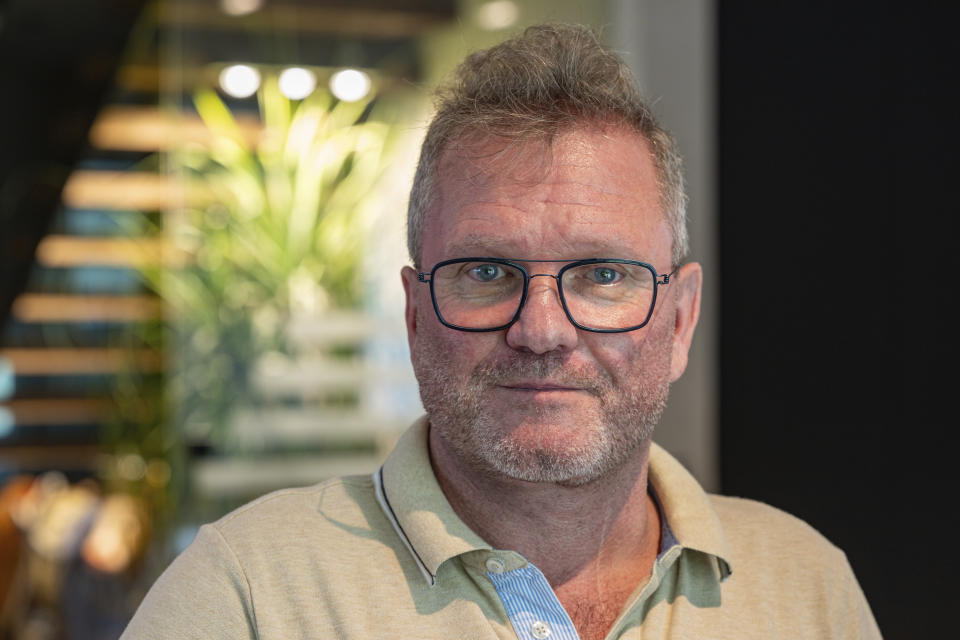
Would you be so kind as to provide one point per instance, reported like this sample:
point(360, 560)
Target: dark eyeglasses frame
point(658, 280)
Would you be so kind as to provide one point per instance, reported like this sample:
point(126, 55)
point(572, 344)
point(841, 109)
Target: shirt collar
point(412, 500)
point(687, 509)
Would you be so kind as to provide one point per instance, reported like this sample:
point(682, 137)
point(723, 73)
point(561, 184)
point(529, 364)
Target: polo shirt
point(385, 556)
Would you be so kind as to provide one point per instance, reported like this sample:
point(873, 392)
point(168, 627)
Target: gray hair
point(550, 78)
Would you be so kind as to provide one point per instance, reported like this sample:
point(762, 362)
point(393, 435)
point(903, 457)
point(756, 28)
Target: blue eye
point(605, 275)
point(486, 272)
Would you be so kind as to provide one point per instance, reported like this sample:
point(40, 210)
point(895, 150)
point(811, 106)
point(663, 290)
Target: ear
point(410, 285)
point(686, 285)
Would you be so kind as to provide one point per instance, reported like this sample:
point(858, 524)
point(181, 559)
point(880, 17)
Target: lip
point(538, 385)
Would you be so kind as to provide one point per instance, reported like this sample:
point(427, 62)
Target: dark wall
point(838, 199)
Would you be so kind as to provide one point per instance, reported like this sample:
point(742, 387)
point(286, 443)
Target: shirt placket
point(533, 608)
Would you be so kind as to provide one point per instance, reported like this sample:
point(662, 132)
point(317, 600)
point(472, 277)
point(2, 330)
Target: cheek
point(621, 360)
point(456, 352)
point(633, 358)
point(656, 353)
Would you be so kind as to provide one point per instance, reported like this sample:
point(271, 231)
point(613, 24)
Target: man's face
point(543, 401)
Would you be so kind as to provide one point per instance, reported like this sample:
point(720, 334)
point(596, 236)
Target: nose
point(543, 325)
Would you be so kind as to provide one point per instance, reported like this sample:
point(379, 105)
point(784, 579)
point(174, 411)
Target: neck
point(569, 532)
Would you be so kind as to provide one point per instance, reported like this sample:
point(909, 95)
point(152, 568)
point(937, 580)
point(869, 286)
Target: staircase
point(65, 337)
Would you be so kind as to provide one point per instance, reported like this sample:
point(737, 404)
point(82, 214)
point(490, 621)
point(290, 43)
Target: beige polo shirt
point(386, 557)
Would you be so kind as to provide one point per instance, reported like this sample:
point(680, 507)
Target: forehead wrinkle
point(488, 244)
point(574, 229)
point(564, 182)
point(589, 200)
point(568, 202)
point(584, 191)
point(495, 245)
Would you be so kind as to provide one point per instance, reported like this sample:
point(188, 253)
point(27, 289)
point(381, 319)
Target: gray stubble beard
point(622, 419)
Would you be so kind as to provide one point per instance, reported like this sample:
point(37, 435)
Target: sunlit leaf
point(279, 231)
point(217, 117)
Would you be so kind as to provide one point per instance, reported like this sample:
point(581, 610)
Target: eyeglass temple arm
point(423, 277)
point(666, 277)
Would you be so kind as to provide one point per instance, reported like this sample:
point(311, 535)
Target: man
point(548, 311)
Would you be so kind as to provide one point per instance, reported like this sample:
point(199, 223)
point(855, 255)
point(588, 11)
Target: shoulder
point(310, 537)
point(760, 525)
point(770, 547)
point(278, 554)
point(338, 495)
point(334, 510)
point(760, 535)
point(789, 570)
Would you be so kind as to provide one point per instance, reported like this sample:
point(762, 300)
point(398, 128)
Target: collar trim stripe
point(391, 516)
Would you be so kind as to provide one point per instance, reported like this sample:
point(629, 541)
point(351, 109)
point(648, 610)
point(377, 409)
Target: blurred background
point(202, 208)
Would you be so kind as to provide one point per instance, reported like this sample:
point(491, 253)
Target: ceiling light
point(297, 83)
point(350, 85)
point(240, 7)
point(240, 80)
point(498, 14)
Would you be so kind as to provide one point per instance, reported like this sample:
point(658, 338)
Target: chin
point(553, 455)
point(546, 466)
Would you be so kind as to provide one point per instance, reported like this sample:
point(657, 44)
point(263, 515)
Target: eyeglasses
point(605, 295)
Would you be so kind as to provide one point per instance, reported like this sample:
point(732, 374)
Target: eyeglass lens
point(484, 295)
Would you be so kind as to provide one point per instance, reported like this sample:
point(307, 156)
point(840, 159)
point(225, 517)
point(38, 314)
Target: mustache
point(558, 370)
